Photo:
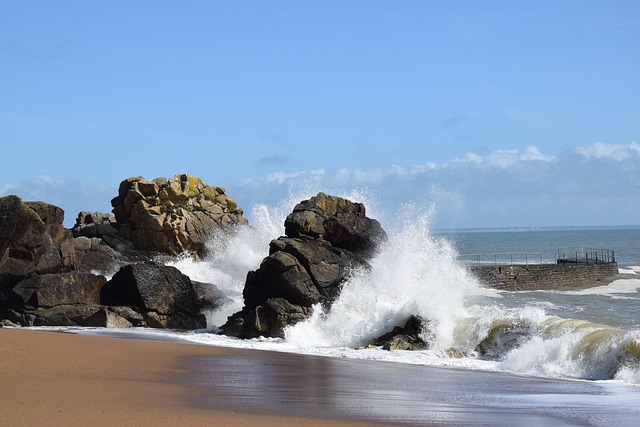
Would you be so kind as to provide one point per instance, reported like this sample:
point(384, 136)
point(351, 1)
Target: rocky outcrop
point(25, 247)
point(53, 276)
point(326, 238)
point(165, 297)
point(173, 216)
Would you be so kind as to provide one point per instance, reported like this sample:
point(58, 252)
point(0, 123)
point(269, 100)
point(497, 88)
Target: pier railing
point(560, 256)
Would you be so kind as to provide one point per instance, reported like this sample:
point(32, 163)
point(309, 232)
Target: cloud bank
point(590, 185)
point(596, 184)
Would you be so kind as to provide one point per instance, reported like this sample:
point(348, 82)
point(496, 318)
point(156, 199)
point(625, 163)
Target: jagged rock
point(88, 254)
point(49, 290)
point(408, 337)
point(164, 295)
point(53, 218)
point(94, 224)
point(173, 216)
point(327, 237)
point(44, 268)
point(23, 241)
point(339, 221)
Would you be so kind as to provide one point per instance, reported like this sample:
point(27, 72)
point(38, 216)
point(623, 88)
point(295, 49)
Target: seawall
point(545, 276)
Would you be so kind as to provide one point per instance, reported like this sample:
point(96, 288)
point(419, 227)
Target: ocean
point(554, 357)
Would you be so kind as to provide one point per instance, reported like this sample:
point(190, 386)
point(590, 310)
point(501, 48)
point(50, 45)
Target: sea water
point(591, 333)
point(588, 334)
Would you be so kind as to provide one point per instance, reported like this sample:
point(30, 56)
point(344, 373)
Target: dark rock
point(94, 224)
point(88, 254)
point(18, 318)
point(339, 221)
point(503, 337)
point(66, 315)
point(327, 238)
point(209, 296)
point(49, 290)
point(173, 216)
point(23, 241)
point(158, 289)
point(408, 337)
point(53, 218)
point(268, 320)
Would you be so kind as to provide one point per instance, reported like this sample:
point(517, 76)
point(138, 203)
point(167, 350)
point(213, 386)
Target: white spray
point(415, 273)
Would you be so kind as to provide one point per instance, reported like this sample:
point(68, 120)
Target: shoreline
point(66, 379)
point(61, 379)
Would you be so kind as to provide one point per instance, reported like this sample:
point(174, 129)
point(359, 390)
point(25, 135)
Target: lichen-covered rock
point(173, 216)
point(327, 237)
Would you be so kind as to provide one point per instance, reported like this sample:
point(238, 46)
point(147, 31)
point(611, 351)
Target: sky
point(498, 113)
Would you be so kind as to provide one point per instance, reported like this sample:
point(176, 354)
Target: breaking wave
point(417, 273)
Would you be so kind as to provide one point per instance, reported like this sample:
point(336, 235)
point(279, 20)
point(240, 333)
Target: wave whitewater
point(417, 273)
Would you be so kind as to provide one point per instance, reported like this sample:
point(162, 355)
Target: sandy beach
point(64, 379)
point(61, 379)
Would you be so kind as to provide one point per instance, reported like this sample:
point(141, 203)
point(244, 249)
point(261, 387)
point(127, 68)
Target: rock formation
point(326, 238)
point(173, 216)
point(48, 274)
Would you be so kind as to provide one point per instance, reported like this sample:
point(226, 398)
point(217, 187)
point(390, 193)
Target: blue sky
point(500, 112)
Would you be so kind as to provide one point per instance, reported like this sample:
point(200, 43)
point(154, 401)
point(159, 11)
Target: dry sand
point(58, 379)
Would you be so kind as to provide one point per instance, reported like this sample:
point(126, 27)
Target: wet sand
point(58, 379)
point(75, 380)
point(294, 384)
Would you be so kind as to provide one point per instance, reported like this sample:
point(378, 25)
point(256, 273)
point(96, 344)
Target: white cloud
point(601, 150)
point(532, 153)
point(473, 157)
point(430, 166)
point(503, 158)
point(280, 176)
point(47, 180)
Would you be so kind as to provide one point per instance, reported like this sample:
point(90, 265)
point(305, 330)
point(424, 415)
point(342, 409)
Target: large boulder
point(49, 290)
point(173, 216)
point(165, 296)
point(327, 237)
point(26, 248)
